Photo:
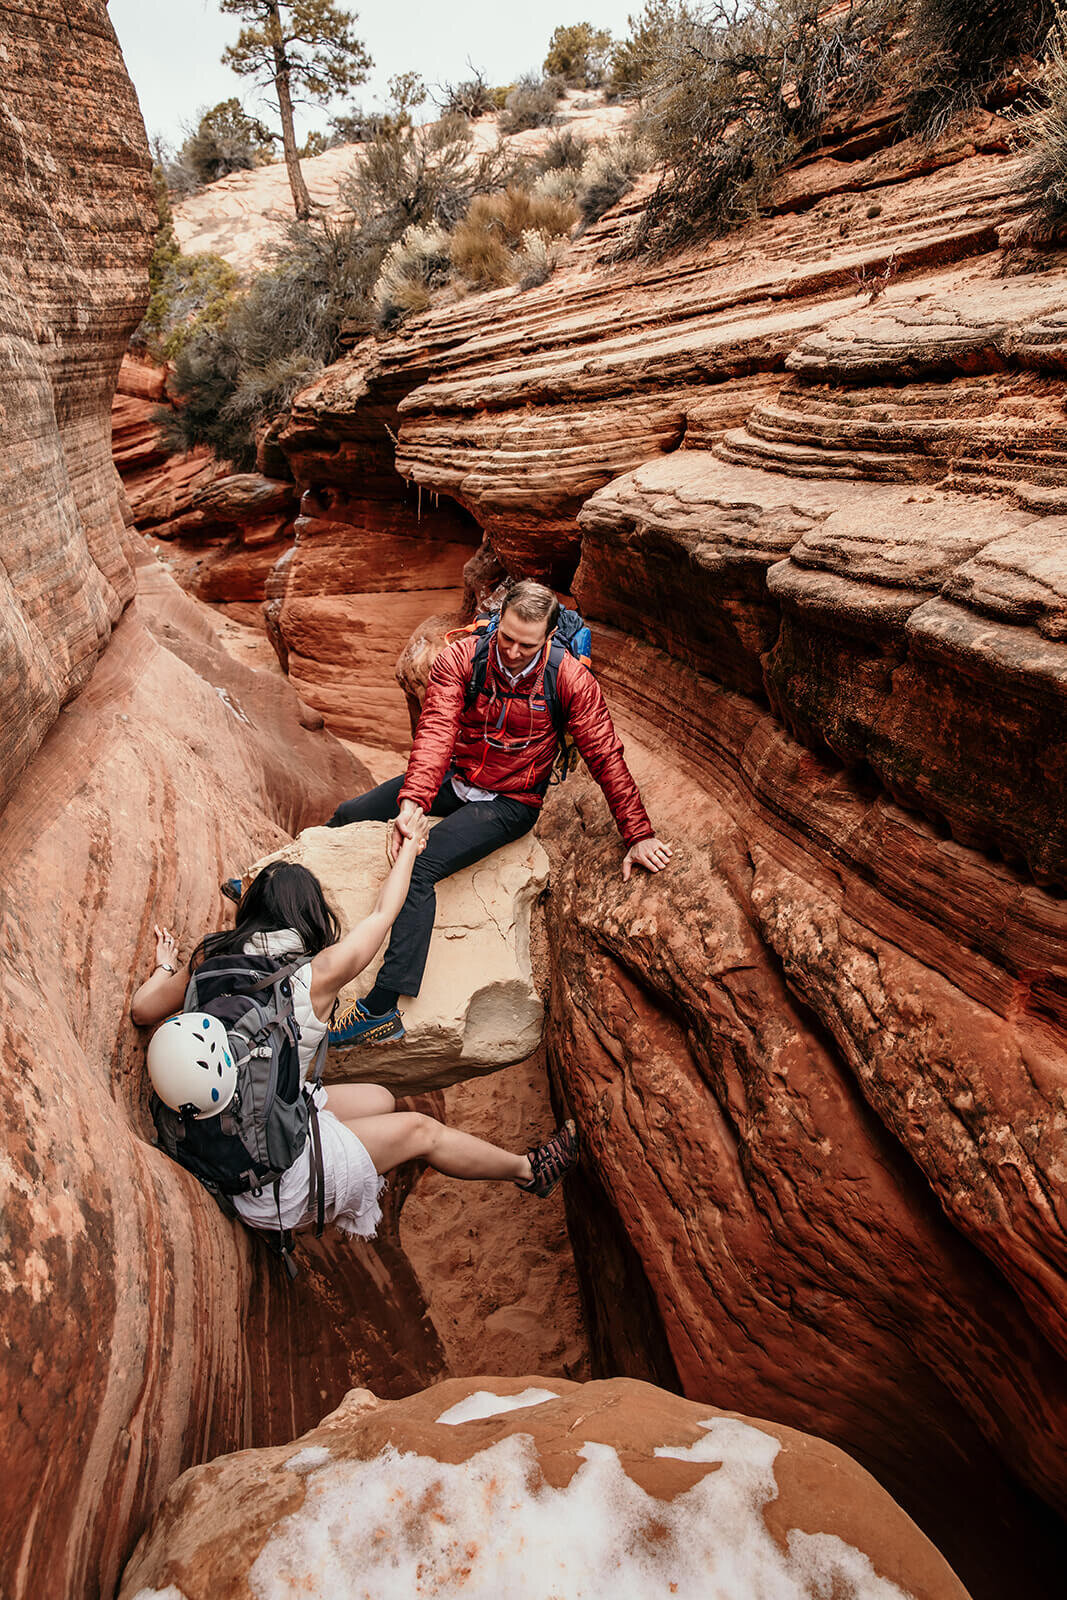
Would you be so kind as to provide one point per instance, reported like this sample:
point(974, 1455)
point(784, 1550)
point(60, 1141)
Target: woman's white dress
point(351, 1184)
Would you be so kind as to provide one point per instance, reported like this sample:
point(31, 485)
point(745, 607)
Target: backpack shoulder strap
point(556, 651)
point(278, 975)
point(479, 668)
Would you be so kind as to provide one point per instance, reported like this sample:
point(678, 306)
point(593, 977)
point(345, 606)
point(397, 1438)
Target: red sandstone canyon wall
point(142, 1331)
point(74, 246)
point(806, 483)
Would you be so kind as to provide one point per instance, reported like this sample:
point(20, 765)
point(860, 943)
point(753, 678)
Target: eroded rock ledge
point(807, 482)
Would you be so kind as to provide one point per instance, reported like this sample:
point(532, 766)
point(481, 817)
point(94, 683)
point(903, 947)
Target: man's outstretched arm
point(589, 724)
point(435, 738)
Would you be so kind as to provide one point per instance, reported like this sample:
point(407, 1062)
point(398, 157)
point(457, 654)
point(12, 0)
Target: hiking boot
point(356, 1025)
point(230, 889)
point(551, 1161)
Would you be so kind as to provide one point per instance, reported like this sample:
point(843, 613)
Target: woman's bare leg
point(348, 1101)
point(404, 1135)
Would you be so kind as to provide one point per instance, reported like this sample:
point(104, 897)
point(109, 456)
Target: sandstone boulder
point(478, 1008)
point(531, 1486)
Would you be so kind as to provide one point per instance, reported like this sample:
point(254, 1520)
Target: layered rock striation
point(807, 484)
point(75, 219)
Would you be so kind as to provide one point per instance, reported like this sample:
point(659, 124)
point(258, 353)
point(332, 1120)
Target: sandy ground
point(495, 1265)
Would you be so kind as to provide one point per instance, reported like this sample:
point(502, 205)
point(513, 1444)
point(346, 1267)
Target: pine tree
point(307, 50)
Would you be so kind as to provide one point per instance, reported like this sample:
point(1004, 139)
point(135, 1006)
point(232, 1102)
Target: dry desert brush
point(228, 378)
point(1043, 129)
point(531, 104)
point(957, 51)
point(486, 243)
point(609, 172)
point(414, 266)
point(741, 91)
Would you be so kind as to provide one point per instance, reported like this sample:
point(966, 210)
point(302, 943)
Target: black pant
point(471, 830)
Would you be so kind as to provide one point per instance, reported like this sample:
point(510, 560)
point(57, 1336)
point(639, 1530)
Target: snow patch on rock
point(482, 1403)
point(403, 1525)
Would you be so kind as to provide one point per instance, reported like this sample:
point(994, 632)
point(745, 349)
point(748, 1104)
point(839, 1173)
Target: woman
point(284, 912)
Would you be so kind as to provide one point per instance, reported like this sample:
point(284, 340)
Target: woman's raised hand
point(166, 948)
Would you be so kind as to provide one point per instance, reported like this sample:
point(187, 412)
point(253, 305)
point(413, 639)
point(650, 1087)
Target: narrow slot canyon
point(818, 1065)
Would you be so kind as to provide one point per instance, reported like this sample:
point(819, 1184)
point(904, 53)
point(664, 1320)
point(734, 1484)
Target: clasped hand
point(411, 825)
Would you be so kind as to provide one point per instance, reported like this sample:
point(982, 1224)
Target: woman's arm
point(339, 963)
point(164, 992)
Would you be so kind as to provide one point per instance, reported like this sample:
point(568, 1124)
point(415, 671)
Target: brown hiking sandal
point(551, 1161)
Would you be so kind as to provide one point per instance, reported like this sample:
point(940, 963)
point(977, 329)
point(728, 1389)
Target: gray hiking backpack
point(255, 1140)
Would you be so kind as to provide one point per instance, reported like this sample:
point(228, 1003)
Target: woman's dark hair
point(283, 895)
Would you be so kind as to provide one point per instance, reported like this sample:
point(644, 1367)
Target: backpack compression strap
point(266, 982)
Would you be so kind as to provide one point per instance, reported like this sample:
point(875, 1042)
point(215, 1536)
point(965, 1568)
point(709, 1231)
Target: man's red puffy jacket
point(507, 742)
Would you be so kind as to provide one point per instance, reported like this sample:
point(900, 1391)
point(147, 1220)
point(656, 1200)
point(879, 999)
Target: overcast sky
point(172, 48)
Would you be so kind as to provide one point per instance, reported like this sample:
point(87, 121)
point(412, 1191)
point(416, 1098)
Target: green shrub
point(314, 145)
point(413, 267)
point(187, 293)
point(958, 50)
point(531, 104)
point(579, 55)
point(225, 140)
point(635, 59)
point(196, 292)
point(1044, 130)
point(734, 99)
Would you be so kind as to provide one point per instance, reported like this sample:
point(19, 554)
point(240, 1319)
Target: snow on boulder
point(478, 1008)
point(565, 1491)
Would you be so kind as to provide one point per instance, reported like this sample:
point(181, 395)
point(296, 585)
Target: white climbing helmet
point(190, 1064)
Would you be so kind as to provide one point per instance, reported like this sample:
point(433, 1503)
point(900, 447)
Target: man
point(484, 769)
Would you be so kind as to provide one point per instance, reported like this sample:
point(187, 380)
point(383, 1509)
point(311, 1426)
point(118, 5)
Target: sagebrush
point(531, 104)
point(413, 267)
point(1043, 131)
point(957, 50)
point(739, 93)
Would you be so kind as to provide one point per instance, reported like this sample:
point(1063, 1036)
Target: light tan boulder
point(478, 1008)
